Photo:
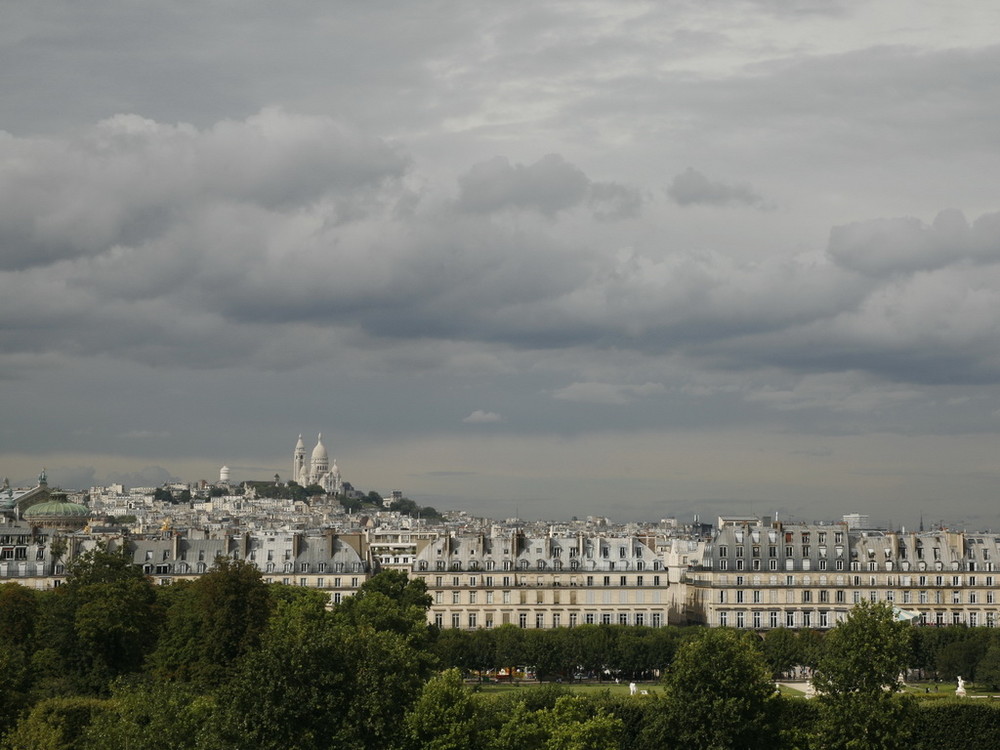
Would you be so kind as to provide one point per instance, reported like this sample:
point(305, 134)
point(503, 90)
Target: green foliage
point(213, 622)
point(569, 723)
point(15, 681)
point(858, 672)
point(18, 611)
point(443, 717)
point(317, 682)
point(389, 601)
point(988, 669)
point(956, 723)
point(101, 624)
point(864, 653)
point(574, 724)
point(781, 650)
point(720, 693)
point(54, 724)
point(407, 507)
point(153, 716)
point(522, 729)
point(961, 657)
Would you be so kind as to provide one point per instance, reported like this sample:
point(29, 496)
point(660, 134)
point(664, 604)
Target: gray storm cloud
point(692, 188)
point(548, 186)
point(157, 242)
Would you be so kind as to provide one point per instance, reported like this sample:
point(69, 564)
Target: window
point(622, 618)
point(522, 620)
point(572, 619)
point(723, 619)
point(789, 619)
point(438, 619)
point(741, 619)
point(589, 618)
point(773, 619)
point(456, 620)
point(657, 620)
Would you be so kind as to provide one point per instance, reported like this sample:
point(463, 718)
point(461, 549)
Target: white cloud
point(482, 417)
point(607, 393)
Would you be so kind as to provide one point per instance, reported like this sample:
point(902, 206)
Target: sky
point(629, 259)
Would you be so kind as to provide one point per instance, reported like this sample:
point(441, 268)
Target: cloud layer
point(385, 221)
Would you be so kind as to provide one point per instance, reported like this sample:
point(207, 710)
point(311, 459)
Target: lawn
point(583, 688)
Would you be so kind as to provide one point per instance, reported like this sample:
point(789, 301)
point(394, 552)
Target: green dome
point(56, 509)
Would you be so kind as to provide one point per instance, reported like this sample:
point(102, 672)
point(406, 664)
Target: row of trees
point(635, 652)
point(592, 651)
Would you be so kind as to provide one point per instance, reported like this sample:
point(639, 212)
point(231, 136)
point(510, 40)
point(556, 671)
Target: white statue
point(632, 689)
point(960, 690)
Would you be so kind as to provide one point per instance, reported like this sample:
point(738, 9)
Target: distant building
point(318, 470)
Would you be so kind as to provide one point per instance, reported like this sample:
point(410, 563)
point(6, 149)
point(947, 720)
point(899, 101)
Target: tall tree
point(444, 716)
point(101, 624)
point(317, 682)
point(389, 601)
point(212, 623)
point(781, 650)
point(720, 693)
point(857, 675)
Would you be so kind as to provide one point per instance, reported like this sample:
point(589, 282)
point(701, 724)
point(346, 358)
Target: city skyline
point(625, 259)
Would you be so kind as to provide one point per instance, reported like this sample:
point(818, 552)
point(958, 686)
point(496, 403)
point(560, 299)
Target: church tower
point(320, 464)
point(298, 459)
